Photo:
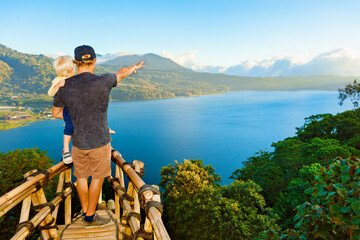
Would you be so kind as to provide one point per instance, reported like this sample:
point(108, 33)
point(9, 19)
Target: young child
point(64, 68)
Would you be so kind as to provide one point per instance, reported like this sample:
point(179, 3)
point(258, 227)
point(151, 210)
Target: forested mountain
point(25, 73)
point(29, 76)
point(152, 61)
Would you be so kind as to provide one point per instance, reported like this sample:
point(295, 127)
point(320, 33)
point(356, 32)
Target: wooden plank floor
point(78, 232)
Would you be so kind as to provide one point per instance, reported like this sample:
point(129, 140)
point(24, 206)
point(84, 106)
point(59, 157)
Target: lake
point(223, 130)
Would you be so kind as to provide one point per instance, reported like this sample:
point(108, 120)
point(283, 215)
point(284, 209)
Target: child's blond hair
point(64, 66)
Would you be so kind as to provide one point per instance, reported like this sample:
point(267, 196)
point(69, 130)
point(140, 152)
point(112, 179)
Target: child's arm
point(57, 112)
point(55, 87)
point(60, 84)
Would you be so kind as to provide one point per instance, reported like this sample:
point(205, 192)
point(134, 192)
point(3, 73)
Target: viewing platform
point(127, 219)
point(76, 230)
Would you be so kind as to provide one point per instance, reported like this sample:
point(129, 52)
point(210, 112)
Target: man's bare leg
point(83, 191)
point(94, 193)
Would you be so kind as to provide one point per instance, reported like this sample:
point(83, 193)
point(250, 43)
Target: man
point(86, 96)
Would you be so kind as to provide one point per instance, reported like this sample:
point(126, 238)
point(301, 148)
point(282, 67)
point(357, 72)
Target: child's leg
point(67, 139)
point(68, 131)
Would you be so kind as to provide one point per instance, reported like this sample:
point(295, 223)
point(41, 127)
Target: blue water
point(223, 130)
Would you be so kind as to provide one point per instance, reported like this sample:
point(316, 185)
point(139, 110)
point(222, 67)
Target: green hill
point(151, 60)
point(24, 73)
point(25, 79)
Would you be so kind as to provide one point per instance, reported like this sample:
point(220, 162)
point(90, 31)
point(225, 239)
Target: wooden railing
point(31, 191)
point(127, 202)
point(144, 196)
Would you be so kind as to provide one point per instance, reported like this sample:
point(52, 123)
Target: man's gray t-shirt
point(86, 96)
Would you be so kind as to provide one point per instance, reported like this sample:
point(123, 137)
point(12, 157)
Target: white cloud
point(209, 69)
point(54, 55)
point(110, 56)
point(185, 60)
point(336, 62)
point(100, 59)
point(341, 61)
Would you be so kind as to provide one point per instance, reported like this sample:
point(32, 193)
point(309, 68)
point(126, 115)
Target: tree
point(294, 195)
point(323, 150)
point(181, 182)
point(251, 165)
point(351, 91)
point(344, 127)
point(197, 207)
point(13, 165)
point(320, 125)
point(289, 157)
point(334, 208)
point(249, 215)
point(265, 172)
point(278, 173)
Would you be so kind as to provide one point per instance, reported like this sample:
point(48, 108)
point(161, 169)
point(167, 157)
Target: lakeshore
point(223, 130)
point(14, 117)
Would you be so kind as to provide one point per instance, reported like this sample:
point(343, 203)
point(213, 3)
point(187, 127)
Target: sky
point(197, 34)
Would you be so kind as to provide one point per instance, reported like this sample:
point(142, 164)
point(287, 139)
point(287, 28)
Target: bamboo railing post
point(148, 227)
point(117, 203)
point(154, 215)
point(48, 218)
point(135, 195)
point(157, 198)
point(58, 189)
point(130, 190)
point(137, 165)
point(39, 218)
point(36, 201)
point(133, 221)
point(68, 198)
point(136, 222)
point(25, 208)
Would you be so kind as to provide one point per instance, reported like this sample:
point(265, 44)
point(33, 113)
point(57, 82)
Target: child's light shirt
point(54, 86)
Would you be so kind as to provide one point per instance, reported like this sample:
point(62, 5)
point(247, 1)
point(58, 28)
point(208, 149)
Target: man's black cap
point(84, 53)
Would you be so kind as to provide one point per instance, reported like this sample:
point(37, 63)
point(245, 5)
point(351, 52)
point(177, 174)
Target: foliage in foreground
point(13, 165)
point(281, 173)
point(197, 207)
point(333, 209)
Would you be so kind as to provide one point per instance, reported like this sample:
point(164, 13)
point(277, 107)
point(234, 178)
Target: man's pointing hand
point(138, 66)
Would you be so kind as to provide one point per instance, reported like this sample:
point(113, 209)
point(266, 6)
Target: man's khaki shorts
point(92, 162)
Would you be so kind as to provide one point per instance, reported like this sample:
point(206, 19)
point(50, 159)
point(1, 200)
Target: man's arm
point(57, 112)
point(124, 72)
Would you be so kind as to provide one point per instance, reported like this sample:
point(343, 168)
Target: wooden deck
point(77, 231)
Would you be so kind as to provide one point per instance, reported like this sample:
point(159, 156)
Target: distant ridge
point(29, 76)
point(151, 60)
